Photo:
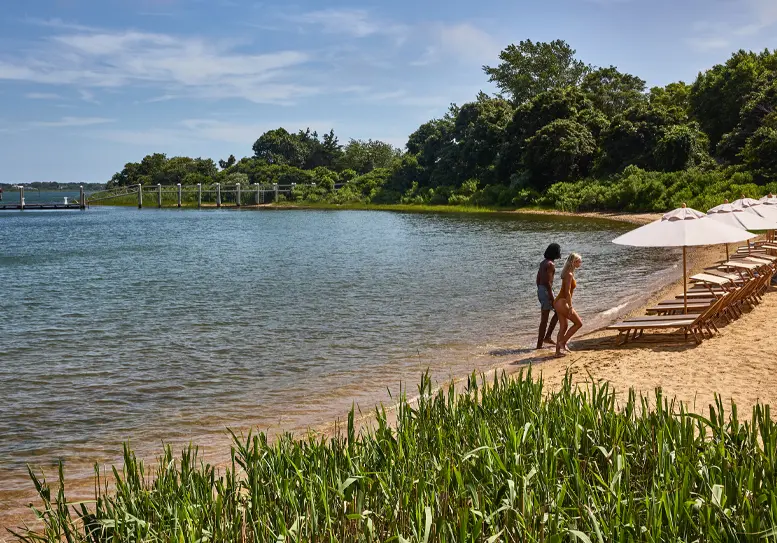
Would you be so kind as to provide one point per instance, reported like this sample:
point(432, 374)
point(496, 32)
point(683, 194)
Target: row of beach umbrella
point(685, 227)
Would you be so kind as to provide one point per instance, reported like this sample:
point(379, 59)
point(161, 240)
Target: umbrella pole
point(726, 252)
point(685, 286)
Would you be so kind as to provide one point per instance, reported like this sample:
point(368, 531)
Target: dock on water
point(49, 205)
point(21, 205)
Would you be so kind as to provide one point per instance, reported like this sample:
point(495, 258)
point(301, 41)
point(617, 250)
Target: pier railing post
point(291, 190)
point(237, 194)
point(140, 196)
point(159, 194)
point(218, 194)
point(275, 188)
point(199, 194)
point(257, 193)
point(82, 198)
point(179, 195)
point(21, 197)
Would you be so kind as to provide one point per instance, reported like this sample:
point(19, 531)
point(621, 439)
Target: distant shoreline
point(617, 216)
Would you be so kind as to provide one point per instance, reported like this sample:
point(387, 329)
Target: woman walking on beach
point(545, 277)
point(563, 304)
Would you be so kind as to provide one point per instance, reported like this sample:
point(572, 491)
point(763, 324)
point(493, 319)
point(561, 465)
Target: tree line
point(559, 132)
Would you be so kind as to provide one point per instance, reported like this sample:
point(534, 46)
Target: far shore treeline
point(560, 133)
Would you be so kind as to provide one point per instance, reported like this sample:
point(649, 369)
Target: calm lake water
point(171, 325)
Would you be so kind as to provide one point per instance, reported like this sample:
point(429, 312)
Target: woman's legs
point(577, 324)
point(561, 310)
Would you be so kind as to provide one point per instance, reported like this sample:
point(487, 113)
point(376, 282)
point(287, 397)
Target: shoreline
point(618, 216)
point(544, 364)
point(505, 362)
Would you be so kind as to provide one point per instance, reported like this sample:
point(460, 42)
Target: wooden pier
point(22, 205)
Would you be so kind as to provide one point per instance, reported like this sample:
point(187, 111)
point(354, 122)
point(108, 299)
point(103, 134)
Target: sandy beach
point(737, 364)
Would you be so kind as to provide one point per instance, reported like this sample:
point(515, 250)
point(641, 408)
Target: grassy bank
point(504, 462)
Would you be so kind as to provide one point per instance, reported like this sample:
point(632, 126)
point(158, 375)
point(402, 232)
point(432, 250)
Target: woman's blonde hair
point(570, 263)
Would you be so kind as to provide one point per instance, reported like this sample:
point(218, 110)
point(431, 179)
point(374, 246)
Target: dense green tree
point(682, 146)
point(364, 156)
point(279, 147)
point(478, 132)
point(760, 109)
point(760, 153)
point(567, 103)
point(327, 152)
point(611, 91)
point(431, 142)
point(238, 178)
point(674, 95)
point(529, 68)
point(717, 96)
point(152, 167)
point(560, 151)
point(158, 169)
point(319, 152)
point(224, 164)
point(633, 137)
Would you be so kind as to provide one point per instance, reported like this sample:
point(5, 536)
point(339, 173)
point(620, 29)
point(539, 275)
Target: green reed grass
point(502, 462)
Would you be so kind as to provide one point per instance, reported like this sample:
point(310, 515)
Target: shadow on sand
point(660, 342)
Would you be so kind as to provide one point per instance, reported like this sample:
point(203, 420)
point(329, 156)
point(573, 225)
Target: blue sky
point(88, 85)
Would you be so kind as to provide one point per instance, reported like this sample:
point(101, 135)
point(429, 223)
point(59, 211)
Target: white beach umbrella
point(725, 207)
point(740, 218)
point(683, 227)
point(745, 202)
point(769, 200)
point(767, 211)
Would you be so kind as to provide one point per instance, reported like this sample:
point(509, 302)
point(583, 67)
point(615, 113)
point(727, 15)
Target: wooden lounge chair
point(693, 325)
point(678, 308)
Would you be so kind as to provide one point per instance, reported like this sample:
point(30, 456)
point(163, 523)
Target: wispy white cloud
point(709, 44)
point(464, 42)
point(164, 66)
point(59, 24)
point(90, 59)
point(62, 122)
point(71, 122)
point(162, 98)
point(402, 97)
point(88, 96)
point(358, 23)
point(42, 96)
point(744, 18)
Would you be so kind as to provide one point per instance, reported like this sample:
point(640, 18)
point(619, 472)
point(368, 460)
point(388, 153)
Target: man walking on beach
point(545, 277)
